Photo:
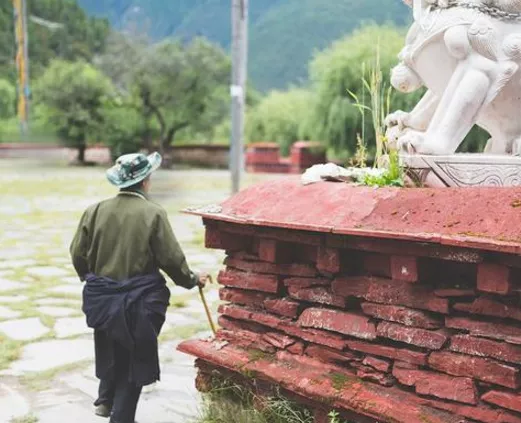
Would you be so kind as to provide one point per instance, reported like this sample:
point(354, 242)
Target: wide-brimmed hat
point(131, 169)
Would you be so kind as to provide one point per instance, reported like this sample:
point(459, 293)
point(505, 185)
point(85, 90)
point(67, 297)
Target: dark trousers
point(119, 393)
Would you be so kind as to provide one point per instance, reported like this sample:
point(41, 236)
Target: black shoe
point(103, 410)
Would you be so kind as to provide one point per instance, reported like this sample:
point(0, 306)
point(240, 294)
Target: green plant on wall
point(386, 157)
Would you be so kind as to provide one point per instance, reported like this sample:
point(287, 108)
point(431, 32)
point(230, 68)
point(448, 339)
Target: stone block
point(400, 354)
point(306, 282)
point(235, 312)
point(454, 293)
point(403, 315)
point(489, 307)
point(413, 336)
point(350, 324)
point(509, 400)
point(390, 292)
point(316, 336)
point(480, 347)
point(461, 389)
point(370, 375)
point(283, 307)
point(483, 369)
point(377, 363)
point(328, 260)
point(243, 297)
point(234, 325)
point(404, 268)
point(319, 294)
point(278, 340)
point(246, 339)
point(328, 355)
point(273, 251)
point(494, 278)
point(297, 348)
point(290, 269)
point(486, 329)
point(217, 239)
point(250, 281)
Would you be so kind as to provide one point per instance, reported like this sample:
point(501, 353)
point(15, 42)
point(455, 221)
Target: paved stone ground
point(46, 350)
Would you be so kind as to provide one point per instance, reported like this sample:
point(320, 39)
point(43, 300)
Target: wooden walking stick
point(207, 309)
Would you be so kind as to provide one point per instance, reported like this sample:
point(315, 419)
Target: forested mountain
point(283, 33)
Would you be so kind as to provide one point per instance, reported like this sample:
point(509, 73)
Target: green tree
point(7, 99)
point(74, 95)
point(338, 71)
point(182, 86)
point(281, 117)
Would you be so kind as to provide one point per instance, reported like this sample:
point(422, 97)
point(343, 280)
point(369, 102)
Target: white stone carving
point(463, 170)
point(467, 55)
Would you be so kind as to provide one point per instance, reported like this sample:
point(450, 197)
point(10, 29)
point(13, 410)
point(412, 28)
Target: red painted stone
point(271, 268)
point(273, 251)
point(337, 321)
point(234, 325)
point(239, 296)
point(475, 413)
point(377, 264)
point(370, 375)
point(413, 336)
point(391, 292)
point(310, 381)
point(283, 307)
point(246, 339)
point(494, 278)
point(302, 253)
point(235, 312)
point(297, 348)
point(483, 369)
point(216, 239)
point(248, 280)
point(307, 282)
point(404, 268)
point(459, 389)
point(467, 344)
point(394, 353)
point(499, 331)
point(452, 293)
point(403, 315)
point(377, 363)
point(504, 399)
point(328, 260)
point(404, 365)
point(328, 355)
point(488, 307)
point(318, 294)
point(278, 340)
point(267, 319)
point(316, 336)
point(385, 213)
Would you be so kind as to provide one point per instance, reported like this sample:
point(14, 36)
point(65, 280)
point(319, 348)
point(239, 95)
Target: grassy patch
point(10, 350)
point(40, 381)
point(229, 402)
point(25, 419)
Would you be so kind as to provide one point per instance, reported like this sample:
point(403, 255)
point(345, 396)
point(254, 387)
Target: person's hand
point(204, 279)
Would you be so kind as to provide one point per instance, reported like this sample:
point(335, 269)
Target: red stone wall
point(437, 327)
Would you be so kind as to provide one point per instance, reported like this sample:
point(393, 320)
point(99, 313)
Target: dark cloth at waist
point(130, 313)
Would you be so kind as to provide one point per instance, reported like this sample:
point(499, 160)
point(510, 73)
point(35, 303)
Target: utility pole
point(22, 62)
point(238, 88)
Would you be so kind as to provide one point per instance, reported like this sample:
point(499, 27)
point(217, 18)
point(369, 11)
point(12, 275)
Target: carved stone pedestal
point(463, 170)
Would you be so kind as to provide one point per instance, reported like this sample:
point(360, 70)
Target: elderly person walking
point(119, 248)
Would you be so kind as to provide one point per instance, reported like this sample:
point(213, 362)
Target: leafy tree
point(182, 86)
point(7, 99)
point(281, 117)
point(338, 72)
point(73, 95)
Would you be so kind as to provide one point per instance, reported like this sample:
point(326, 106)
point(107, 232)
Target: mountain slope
point(283, 33)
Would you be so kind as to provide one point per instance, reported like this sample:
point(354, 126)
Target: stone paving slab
point(47, 271)
point(14, 264)
point(47, 355)
point(71, 327)
point(24, 329)
point(9, 285)
point(4, 299)
point(56, 311)
point(12, 403)
point(68, 289)
point(7, 313)
point(74, 412)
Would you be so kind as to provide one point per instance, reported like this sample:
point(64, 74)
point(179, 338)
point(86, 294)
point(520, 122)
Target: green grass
point(25, 419)
point(10, 351)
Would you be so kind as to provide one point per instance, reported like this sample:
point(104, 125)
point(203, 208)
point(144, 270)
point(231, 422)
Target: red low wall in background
point(390, 305)
point(265, 157)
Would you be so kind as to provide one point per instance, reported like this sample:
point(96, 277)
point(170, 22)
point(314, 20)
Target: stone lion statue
point(466, 53)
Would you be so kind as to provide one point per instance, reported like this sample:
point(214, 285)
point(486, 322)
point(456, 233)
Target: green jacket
point(127, 236)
